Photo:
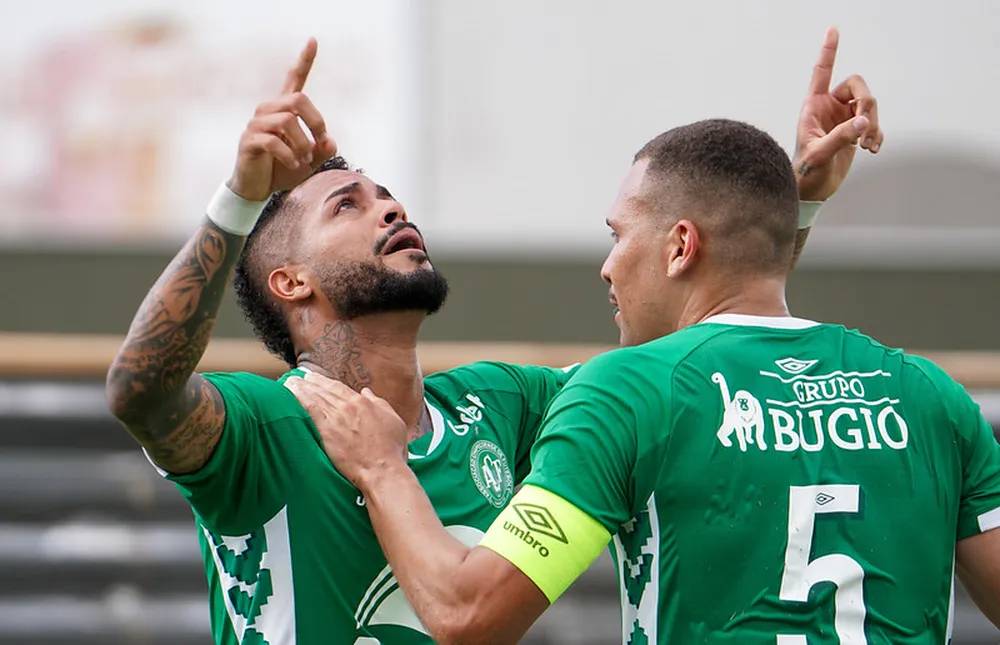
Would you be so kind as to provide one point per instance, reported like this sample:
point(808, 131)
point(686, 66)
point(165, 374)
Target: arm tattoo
point(174, 413)
point(800, 243)
point(336, 350)
point(805, 169)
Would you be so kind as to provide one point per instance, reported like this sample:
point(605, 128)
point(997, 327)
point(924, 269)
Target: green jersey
point(771, 480)
point(289, 552)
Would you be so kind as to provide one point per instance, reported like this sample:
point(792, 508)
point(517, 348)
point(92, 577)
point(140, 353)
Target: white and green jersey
point(289, 552)
point(764, 481)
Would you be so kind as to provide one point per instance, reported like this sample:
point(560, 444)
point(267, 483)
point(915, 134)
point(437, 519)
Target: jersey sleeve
point(979, 452)
point(229, 489)
point(979, 509)
point(538, 387)
point(593, 434)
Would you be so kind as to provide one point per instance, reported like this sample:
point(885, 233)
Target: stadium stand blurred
point(96, 548)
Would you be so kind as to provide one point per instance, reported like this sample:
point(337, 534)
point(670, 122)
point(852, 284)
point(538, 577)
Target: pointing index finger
point(295, 80)
point(823, 71)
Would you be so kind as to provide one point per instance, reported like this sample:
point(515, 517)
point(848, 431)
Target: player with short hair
point(761, 478)
point(335, 280)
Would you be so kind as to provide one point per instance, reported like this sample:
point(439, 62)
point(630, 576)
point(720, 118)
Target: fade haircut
point(735, 182)
point(267, 247)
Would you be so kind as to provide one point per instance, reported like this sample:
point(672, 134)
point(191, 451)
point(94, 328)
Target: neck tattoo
point(337, 350)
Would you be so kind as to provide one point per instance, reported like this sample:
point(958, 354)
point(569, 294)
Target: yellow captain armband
point(549, 539)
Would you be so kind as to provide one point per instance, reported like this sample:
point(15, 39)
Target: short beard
point(370, 288)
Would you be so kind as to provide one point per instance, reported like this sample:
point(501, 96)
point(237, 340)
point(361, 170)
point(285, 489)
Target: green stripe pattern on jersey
point(289, 553)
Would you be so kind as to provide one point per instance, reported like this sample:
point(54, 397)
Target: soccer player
point(335, 280)
point(761, 478)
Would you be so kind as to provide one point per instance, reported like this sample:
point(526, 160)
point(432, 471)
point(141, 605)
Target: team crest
point(491, 473)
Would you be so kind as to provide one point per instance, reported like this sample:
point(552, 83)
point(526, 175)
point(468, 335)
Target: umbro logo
point(540, 520)
point(823, 499)
point(794, 365)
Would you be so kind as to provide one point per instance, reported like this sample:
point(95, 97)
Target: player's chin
point(407, 261)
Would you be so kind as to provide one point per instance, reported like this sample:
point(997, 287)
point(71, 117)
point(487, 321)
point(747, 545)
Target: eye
point(614, 236)
point(344, 203)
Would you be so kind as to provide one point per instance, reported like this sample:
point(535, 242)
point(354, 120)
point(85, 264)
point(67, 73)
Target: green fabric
point(289, 553)
point(700, 452)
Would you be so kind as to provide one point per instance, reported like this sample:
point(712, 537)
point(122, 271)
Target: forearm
point(149, 385)
point(426, 560)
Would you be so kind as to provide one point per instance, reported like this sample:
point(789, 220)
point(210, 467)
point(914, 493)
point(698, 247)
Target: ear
point(289, 284)
point(682, 248)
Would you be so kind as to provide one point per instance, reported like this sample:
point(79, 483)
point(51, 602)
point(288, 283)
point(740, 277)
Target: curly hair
point(266, 247)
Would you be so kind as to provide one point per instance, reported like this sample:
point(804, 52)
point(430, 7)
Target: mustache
point(395, 228)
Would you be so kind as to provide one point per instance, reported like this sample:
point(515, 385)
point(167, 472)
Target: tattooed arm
point(831, 125)
point(174, 413)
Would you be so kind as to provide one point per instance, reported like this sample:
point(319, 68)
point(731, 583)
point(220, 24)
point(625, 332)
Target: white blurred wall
point(504, 126)
point(538, 107)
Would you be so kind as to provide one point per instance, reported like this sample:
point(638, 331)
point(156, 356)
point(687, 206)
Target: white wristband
point(808, 212)
point(232, 213)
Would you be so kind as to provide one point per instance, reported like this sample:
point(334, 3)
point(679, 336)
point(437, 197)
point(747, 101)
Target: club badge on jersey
point(491, 473)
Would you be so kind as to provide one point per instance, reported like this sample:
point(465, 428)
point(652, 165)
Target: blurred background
point(504, 127)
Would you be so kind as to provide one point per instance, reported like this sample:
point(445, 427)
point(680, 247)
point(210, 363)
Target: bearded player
point(760, 478)
point(335, 280)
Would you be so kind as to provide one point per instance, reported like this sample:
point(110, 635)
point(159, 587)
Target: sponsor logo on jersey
point(794, 365)
point(835, 409)
point(491, 473)
point(470, 412)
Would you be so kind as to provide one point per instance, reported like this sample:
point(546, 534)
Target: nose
point(606, 270)
point(394, 212)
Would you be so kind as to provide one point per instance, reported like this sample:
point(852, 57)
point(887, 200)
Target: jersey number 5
point(804, 503)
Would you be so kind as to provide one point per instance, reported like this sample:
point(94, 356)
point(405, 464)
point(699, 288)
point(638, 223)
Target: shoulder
point(650, 362)
point(925, 380)
point(920, 371)
point(495, 375)
point(264, 398)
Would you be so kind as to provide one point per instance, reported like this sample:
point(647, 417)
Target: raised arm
point(831, 125)
point(151, 385)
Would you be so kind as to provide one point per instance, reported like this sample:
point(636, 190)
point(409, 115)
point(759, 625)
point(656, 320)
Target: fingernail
point(867, 142)
point(876, 147)
point(860, 124)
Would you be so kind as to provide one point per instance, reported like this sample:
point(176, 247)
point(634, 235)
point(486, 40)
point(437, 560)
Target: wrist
point(384, 475)
point(232, 213)
point(808, 212)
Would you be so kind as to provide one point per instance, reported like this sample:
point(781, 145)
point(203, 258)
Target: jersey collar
point(774, 322)
point(437, 432)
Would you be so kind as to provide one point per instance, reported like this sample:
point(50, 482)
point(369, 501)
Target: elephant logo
point(742, 416)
